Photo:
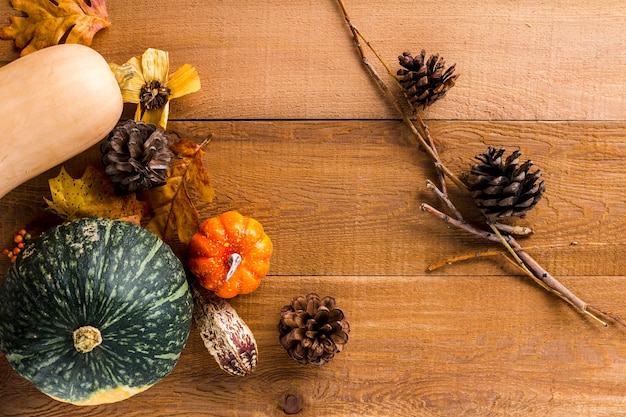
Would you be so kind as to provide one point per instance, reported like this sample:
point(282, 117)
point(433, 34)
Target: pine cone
point(425, 83)
point(136, 156)
point(313, 330)
point(503, 190)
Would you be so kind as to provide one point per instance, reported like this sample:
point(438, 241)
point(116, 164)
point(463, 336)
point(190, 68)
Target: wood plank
point(419, 345)
point(291, 60)
point(342, 198)
point(304, 141)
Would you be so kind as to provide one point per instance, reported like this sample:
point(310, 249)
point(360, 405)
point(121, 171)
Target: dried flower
point(145, 81)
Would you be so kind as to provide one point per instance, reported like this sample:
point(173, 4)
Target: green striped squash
point(89, 281)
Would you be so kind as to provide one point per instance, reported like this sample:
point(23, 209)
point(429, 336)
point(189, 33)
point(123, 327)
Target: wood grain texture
point(342, 198)
point(341, 203)
point(304, 142)
point(280, 59)
point(447, 347)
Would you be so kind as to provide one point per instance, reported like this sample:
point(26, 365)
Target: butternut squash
point(55, 103)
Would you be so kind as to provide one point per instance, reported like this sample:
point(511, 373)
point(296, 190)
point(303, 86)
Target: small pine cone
point(136, 156)
point(425, 83)
point(504, 189)
point(312, 329)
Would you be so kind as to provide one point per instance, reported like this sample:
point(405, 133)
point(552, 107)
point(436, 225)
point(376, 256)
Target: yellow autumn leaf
point(92, 195)
point(46, 23)
point(175, 216)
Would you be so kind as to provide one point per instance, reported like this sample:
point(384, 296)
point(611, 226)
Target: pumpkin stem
point(86, 338)
point(234, 260)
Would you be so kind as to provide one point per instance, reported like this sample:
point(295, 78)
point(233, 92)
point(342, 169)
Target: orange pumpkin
point(230, 254)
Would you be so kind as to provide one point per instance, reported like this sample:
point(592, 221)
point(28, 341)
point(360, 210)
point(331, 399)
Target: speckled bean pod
point(225, 335)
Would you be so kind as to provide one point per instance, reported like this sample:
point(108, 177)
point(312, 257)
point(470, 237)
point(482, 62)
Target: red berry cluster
point(20, 238)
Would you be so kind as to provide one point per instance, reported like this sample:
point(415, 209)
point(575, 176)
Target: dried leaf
point(50, 22)
point(175, 216)
point(92, 195)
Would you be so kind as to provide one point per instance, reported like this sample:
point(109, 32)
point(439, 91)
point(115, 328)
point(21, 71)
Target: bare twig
point(514, 230)
point(525, 262)
point(459, 224)
point(428, 146)
point(465, 257)
point(496, 252)
point(443, 196)
point(506, 239)
point(421, 127)
point(499, 233)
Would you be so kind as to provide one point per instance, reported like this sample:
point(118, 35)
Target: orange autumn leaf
point(92, 195)
point(175, 216)
point(49, 22)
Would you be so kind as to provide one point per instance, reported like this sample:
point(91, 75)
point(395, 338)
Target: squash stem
point(233, 262)
point(86, 338)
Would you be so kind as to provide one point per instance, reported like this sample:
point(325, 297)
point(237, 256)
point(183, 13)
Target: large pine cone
point(425, 82)
point(504, 189)
point(136, 156)
point(313, 329)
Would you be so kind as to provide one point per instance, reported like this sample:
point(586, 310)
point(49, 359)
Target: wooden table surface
point(304, 141)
